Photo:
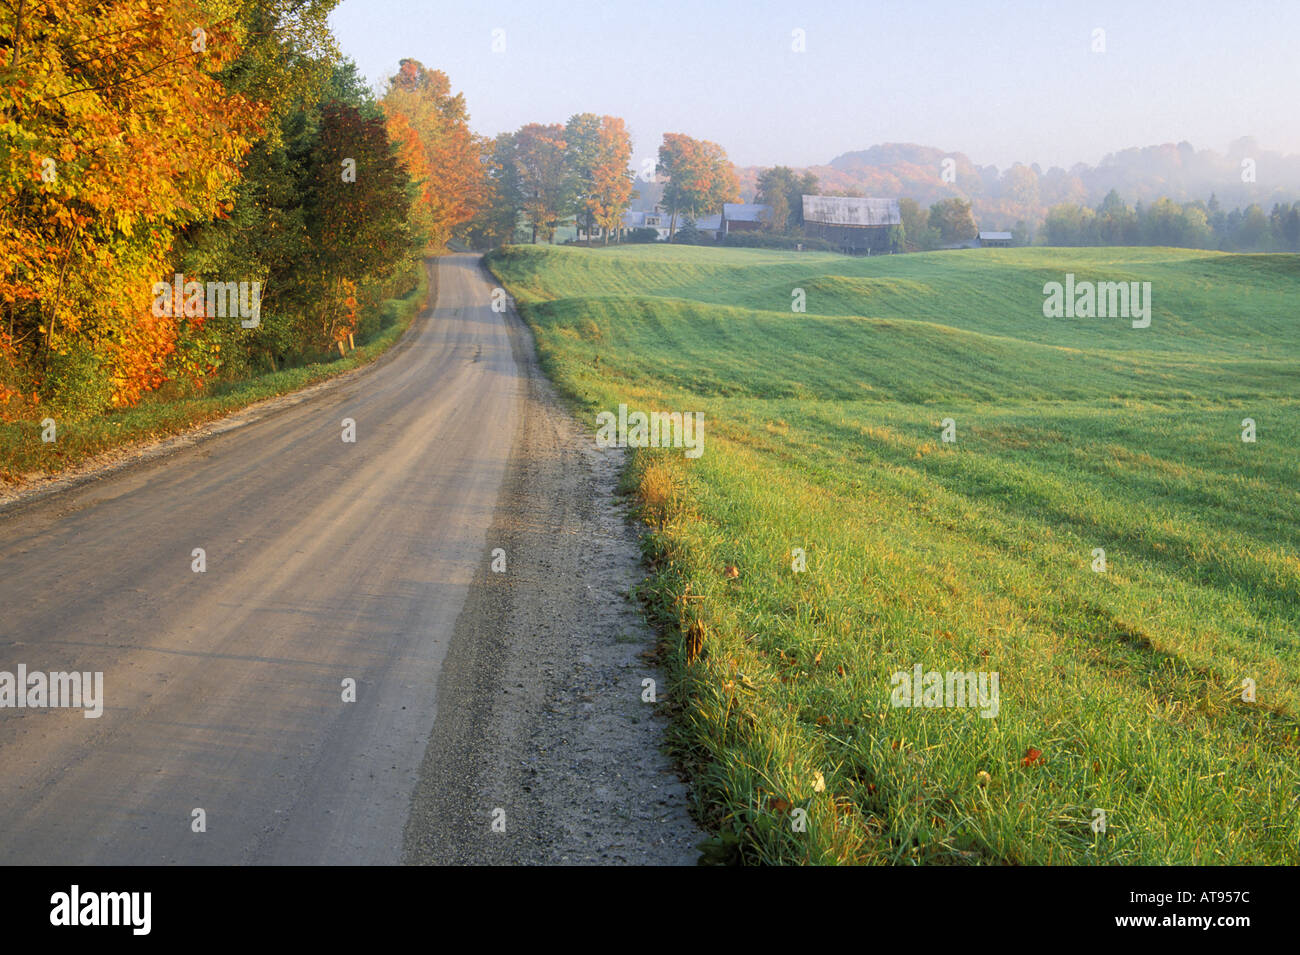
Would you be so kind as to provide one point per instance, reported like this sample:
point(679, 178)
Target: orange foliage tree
point(115, 131)
point(431, 128)
point(599, 152)
point(700, 177)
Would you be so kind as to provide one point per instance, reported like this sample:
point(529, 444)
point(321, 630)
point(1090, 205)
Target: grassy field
point(23, 455)
point(1120, 691)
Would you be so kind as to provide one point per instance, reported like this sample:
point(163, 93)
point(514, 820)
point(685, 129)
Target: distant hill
point(1025, 192)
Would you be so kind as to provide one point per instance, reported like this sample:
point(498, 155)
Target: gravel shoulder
point(540, 704)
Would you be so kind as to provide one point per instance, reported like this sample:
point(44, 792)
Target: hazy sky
point(1000, 82)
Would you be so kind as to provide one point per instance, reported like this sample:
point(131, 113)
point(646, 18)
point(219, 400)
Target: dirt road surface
point(497, 716)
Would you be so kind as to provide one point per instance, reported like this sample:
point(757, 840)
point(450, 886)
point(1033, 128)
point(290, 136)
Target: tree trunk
point(58, 291)
point(18, 33)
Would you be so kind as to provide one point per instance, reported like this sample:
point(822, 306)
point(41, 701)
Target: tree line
point(1164, 222)
point(542, 176)
point(1194, 225)
point(210, 143)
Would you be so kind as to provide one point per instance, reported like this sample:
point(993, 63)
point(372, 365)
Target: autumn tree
point(116, 131)
point(612, 190)
point(599, 150)
point(700, 178)
point(191, 136)
point(431, 127)
point(545, 178)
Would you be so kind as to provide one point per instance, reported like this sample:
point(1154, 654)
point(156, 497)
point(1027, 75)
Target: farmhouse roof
point(850, 211)
point(985, 236)
point(709, 222)
point(744, 211)
point(636, 218)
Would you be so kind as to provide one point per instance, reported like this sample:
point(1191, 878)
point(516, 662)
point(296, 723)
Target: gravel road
point(327, 561)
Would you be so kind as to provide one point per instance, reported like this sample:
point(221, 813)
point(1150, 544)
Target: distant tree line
point(951, 221)
point(1194, 225)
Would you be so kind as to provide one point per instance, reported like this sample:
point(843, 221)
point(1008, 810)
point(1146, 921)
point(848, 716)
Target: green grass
point(822, 432)
point(24, 455)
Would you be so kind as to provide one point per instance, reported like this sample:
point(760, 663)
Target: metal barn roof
point(850, 211)
point(744, 211)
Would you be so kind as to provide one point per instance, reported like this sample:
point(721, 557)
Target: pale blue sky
point(1000, 81)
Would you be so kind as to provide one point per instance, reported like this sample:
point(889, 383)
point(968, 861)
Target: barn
point(995, 240)
point(743, 217)
point(854, 225)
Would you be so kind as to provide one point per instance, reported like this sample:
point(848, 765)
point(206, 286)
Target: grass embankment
point(24, 455)
point(1119, 691)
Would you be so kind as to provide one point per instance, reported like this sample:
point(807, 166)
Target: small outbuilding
point(710, 225)
point(743, 217)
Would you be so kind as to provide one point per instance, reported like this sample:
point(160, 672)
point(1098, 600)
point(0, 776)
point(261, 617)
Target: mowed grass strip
point(1119, 692)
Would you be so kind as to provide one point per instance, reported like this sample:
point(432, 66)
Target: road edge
point(540, 709)
point(135, 454)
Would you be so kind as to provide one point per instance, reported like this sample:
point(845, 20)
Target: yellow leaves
point(134, 160)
